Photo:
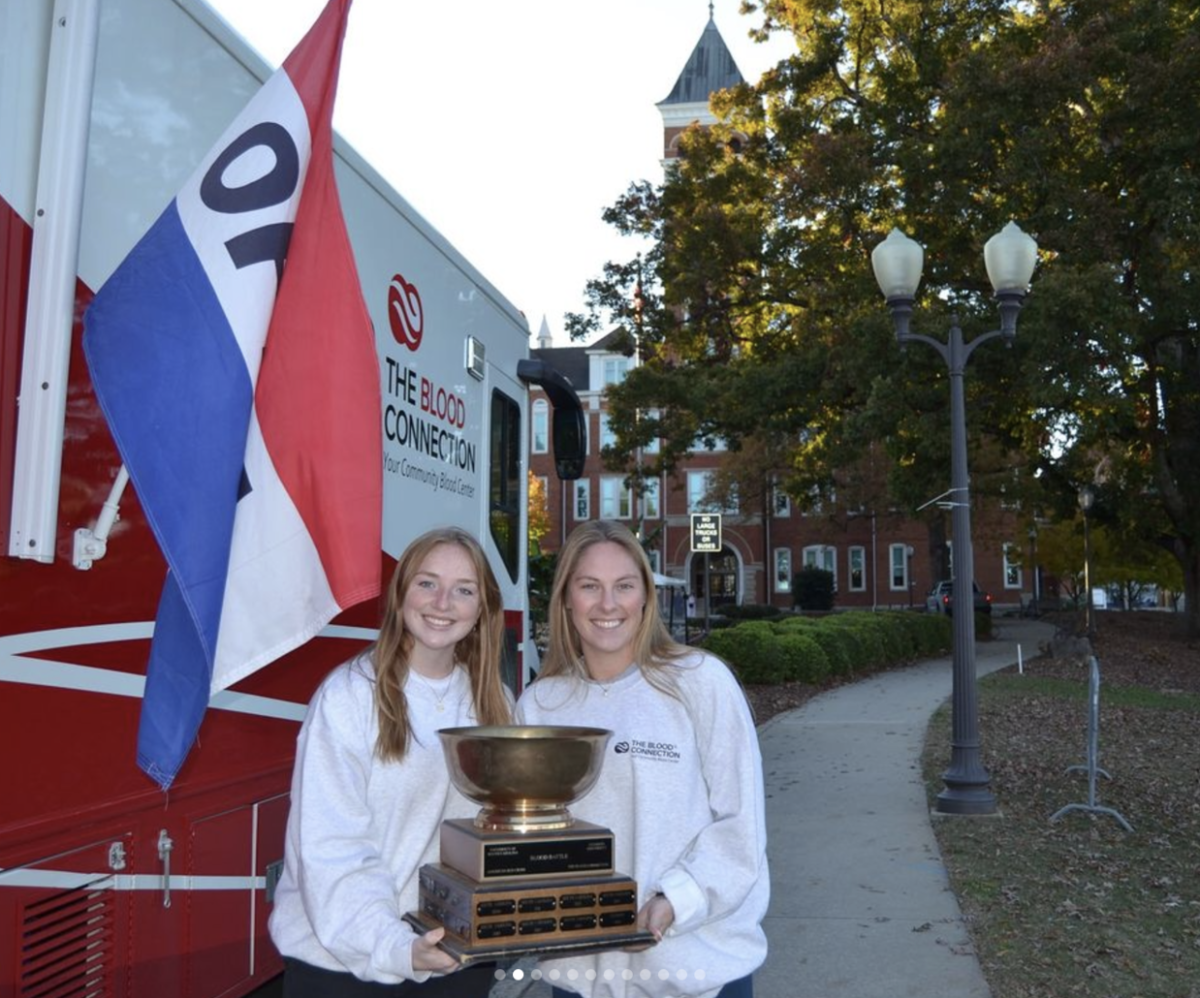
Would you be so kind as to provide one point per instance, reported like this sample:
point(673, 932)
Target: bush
point(838, 648)
point(812, 588)
point(750, 649)
point(750, 611)
point(803, 658)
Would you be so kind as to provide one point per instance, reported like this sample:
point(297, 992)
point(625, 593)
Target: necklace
point(439, 692)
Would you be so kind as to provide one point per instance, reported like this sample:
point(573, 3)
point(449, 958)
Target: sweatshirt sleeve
point(727, 860)
point(350, 895)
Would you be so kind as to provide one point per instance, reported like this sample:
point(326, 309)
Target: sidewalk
point(860, 902)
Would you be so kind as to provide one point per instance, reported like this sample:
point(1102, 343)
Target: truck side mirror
point(568, 429)
point(569, 442)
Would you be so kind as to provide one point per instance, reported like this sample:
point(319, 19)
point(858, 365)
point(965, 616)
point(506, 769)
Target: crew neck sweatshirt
point(681, 788)
point(359, 829)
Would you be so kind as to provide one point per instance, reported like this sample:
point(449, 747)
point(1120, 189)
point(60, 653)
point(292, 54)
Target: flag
point(235, 362)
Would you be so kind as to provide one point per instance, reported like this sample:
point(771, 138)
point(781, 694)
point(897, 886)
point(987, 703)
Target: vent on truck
point(66, 943)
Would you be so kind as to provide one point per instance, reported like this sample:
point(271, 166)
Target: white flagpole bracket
point(92, 544)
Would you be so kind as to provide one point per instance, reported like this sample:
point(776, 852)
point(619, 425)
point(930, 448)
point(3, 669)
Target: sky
point(511, 126)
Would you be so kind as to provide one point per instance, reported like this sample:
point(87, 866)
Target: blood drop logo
point(405, 314)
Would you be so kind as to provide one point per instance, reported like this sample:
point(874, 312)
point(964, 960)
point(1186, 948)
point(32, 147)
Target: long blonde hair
point(654, 650)
point(478, 652)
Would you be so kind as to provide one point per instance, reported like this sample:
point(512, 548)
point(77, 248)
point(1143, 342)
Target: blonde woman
point(370, 787)
point(681, 786)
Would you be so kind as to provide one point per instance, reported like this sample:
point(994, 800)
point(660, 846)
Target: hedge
point(811, 649)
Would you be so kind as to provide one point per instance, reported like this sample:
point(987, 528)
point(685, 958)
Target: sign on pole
point(706, 533)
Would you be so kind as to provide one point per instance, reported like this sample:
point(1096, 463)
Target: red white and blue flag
point(235, 362)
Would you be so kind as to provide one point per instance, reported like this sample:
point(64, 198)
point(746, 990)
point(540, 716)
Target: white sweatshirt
point(681, 788)
point(359, 829)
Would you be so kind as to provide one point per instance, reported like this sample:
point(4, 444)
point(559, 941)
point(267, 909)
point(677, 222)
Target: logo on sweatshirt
point(654, 751)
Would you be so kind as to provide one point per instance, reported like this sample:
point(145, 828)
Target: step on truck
point(109, 886)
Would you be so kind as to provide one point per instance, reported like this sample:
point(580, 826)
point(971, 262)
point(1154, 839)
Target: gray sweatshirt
point(359, 829)
point(681, 789)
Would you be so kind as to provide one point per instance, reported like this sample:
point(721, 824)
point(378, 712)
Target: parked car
point(941, 599)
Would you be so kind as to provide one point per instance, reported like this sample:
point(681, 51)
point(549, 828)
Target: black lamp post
point(1010, 257)
point(1086, 500)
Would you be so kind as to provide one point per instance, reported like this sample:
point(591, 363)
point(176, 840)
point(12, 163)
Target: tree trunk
point(1189, 559)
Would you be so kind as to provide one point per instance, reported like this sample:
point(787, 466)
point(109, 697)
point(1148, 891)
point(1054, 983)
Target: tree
point(539, 513)
point(758, 313)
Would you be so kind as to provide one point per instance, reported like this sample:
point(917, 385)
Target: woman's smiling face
point(606, 598)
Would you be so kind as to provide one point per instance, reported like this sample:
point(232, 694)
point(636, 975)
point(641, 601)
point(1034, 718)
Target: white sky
point(512, 126)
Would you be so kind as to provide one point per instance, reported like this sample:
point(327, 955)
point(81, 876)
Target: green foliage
point(761, 319)
point(750, 611)
point(541, 579)
point(811, 649)
point(812, 589)
point(803, 657)
point(750, 648)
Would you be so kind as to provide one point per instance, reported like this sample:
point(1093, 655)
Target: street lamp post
point(1086, 499)
point(1010, 257)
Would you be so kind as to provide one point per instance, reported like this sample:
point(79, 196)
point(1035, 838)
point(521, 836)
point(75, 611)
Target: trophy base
point(485, 920)
point(467, 955)
point(580, 850)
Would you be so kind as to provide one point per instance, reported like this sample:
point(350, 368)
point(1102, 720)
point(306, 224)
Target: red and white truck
point(108, 886)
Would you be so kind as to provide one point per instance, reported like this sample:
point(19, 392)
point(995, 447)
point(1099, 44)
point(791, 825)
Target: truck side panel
point(180, 882)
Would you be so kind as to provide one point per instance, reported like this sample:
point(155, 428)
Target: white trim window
point(608, 438)
point(614, 370)
point(616, 499)
point(652, 446)
point(783, 570)
point(822, 556)
point(1014, 576)
point(583, 499)
point(700, 485)
point(781, 503)
point(898, 563)
point(856, 559)
point(540, 427)
point(650, 507)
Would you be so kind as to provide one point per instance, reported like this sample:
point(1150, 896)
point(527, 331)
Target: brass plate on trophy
point(581, 850)
point(545, 947)
point(506, 915)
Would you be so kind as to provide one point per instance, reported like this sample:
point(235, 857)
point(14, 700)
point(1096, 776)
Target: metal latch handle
point(165, 846)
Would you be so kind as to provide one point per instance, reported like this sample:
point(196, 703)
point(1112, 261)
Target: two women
point(681, 785)
point(370, 787)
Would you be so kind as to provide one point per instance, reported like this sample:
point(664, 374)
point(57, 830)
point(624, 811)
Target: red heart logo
point(405, 314)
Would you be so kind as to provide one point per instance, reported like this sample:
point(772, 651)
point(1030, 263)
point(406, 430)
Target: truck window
point(504, 500)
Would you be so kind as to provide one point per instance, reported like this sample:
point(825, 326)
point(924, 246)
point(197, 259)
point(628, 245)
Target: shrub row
point(813, 649)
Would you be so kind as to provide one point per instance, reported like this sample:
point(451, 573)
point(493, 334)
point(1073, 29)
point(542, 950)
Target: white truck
point(108, 886)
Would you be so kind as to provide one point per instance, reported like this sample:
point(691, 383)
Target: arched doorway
point(724, 576)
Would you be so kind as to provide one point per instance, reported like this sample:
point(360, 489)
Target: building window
point(858, 570)
point(607, 437)
point(614, 370)
point(655, 561)
point(616, 499)
point(652, 446)
point(650, 508)
point(717, 445)
point(898, 556)
point(1013, 576)
point(700, 484)
point(783, 570)
point(583, 499)
point(541, 426)
point(781, 502)
point(822, 556)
